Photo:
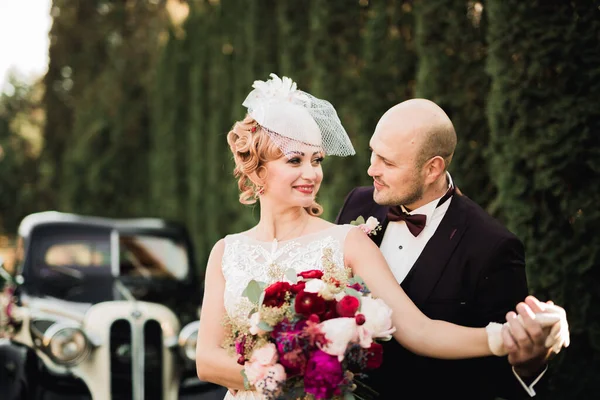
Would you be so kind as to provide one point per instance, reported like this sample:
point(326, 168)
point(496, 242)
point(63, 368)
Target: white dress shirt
point(400, 248)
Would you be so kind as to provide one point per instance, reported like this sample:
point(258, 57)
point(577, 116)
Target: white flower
point(276, 87)
point(370, 226)
point(340, 332)
point(314, 286)
point(321, 288)
point(378, 317)
point(254, 321)
point(372, 223)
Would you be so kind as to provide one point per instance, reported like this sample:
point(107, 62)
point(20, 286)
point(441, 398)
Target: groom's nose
point(373, 169)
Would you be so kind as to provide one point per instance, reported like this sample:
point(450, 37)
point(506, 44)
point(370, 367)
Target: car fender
point(14, 365)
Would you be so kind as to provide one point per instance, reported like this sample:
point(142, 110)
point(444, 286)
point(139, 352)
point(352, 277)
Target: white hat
point(287, 113)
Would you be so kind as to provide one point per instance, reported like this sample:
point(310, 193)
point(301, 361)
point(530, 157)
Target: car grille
point(136, 360)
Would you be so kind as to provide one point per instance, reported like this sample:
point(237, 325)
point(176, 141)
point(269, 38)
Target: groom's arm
point(501, 285)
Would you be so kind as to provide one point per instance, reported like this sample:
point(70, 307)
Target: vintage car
point(100, 309)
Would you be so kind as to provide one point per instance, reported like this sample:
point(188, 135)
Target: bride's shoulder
point(235, 236)
point(356, 237)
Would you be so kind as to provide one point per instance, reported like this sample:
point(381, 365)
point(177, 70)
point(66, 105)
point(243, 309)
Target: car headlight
point(66, 344)
point(187, 340)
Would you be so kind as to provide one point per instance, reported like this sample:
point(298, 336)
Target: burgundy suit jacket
point(471, 272)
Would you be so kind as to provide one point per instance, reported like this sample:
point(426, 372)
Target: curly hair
point(252, 148)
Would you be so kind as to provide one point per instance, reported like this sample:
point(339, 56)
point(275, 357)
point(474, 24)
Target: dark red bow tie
point(415, 222)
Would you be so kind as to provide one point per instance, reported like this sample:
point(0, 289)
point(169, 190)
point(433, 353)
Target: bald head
point(422, 125)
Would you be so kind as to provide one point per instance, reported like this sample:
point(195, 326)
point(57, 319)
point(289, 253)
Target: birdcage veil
point(294, 118)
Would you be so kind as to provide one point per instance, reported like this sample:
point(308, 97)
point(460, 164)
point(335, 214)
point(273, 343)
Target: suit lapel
point(430, 265)
point(380, 212)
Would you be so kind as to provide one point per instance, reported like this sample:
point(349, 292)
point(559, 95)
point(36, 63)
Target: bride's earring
point(259, 191)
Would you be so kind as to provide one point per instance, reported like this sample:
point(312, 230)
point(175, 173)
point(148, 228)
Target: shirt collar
point(429, 208)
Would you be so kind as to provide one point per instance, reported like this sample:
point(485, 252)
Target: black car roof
point(32, 221)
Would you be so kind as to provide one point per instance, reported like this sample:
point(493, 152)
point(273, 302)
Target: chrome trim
point(170, 342)
point(53, 330)
point(137, 358)
point(126, 293)
point(187, 331)
point(115, 268)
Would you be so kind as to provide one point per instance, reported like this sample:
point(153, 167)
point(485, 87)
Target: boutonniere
point(370, 227)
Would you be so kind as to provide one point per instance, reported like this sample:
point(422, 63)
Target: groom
point(453, 260)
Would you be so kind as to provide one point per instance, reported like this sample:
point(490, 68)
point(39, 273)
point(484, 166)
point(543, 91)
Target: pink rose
point(371, 226)
point(272, 380)
point(365, 228)
point(266, 355)
point(255, 372)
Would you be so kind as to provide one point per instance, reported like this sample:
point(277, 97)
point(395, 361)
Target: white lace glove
point(553, 316)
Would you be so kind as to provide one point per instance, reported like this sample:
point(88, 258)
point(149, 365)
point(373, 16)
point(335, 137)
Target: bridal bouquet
point(311, 334)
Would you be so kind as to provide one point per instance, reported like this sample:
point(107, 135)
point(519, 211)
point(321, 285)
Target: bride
point(278, 149)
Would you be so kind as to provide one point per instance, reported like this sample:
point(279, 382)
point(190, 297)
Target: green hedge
point(544, 61)
point(450, 37)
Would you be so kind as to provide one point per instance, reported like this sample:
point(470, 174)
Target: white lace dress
point(245, 259)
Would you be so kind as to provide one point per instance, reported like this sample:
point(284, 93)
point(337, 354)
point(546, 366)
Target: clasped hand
point(530, 335)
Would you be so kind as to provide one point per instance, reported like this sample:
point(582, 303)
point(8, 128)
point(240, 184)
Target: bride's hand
point(525, 336)
point(547, 316)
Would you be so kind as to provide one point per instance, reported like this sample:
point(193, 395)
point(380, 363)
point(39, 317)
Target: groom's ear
point(434, 168)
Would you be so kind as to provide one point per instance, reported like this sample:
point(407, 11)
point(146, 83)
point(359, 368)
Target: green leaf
point(357, 279)
point(358, 221)
point(291, 275)
point(264, 326)
point(247, 385)
point(349, 396)
point(354, 293)
point(253, 291)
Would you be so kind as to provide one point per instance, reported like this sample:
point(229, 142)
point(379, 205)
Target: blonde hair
point(252, 148)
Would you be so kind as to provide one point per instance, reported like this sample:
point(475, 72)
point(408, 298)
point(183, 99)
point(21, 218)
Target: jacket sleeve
point(342, 217)
point(501, 285)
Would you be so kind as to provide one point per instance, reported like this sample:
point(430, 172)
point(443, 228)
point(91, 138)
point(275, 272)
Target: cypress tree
point(387, 71)
point(544, 61)
point(451, 49)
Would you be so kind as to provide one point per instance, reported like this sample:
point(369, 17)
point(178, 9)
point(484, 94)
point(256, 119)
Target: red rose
point(330, 311)
point(312, 274)
point(275, 294)
point(374, 355)
point(347, 306)
point(298, 287)
point(309, 303)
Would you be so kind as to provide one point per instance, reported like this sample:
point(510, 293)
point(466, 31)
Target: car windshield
point(76, 265)
point(139, 255)
point(153, 256)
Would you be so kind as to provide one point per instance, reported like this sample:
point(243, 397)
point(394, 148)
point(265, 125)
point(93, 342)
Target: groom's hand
point(525, 341)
